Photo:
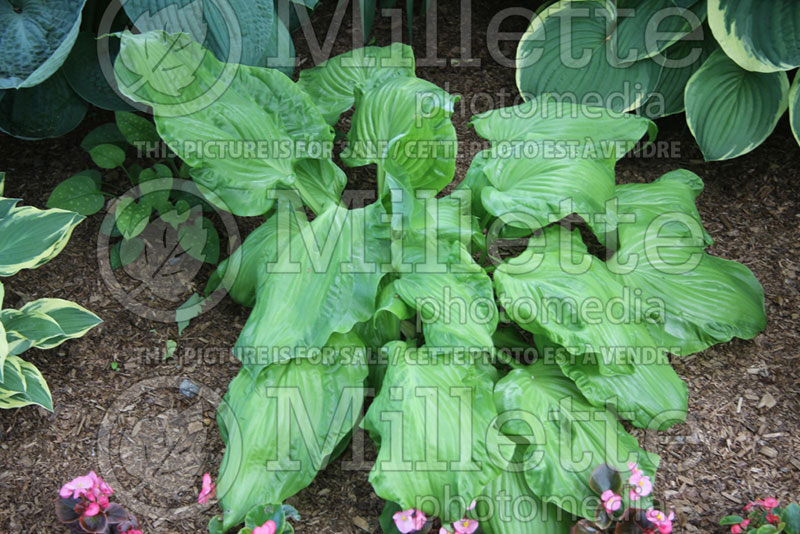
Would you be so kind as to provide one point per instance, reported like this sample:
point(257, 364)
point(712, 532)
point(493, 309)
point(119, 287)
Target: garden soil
point(741, 440)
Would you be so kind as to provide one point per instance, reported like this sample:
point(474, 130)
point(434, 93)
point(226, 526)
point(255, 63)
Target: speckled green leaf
point(80, 194)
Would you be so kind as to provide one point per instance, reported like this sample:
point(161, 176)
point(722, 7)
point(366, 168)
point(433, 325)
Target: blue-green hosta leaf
point(434, 420)
point(453, 296)
point(707, 299)
point(646, 27)
point(586, 63)
point(522, 512)
point(202, 106)
point(280, 426)
point(568, 437)
point(557, 289)
point(67, 320)
point(731, 111)
point(681, 61)
point(544, 118)
point(49, 109)
point(239, 31)
point(794, 107)
point(332, 85)
point(30, 237)
point(22, 384)
point(85, 74)
point(758, 36)
point(79, 193)
point(405, 120)
point(35, 39)
point(325, 280)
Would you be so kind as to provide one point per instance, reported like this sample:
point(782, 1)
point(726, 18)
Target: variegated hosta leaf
point(647, 27)
point(30, 237)
point(731, 111)
point(794, 107)
point(405, 120)
point(22, 384)
point(434, 420)
point(325, 280)
point(280, 426)
point(568, 437)
point(568, 51)
point(263, 121)
point(332, 85)
point(46, 323)
point(758, 36)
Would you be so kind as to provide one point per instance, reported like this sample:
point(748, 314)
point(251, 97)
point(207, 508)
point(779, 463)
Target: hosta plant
point(724, 62)
point(83, 505)
point(420, 297)
point(29, 238)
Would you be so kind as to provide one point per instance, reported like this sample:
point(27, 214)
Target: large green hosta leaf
point(30, 237)
point(434, 420)
point(22, 384)
point(568, 437)
point(281, 425)
point(759, 36)
point(708, 300)
point(568, 51)
point(35, 39)
point(405, 120)
point(558, 290)
point(203, 106)
point(332, 85)
point(731, 111)
point(325, 280)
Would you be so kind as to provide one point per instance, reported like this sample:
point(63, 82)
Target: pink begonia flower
point(267, 528)
point(102, 500)
point(661, 520)
point(92, 510)
point(472, 505)
point(774, 519)
point(641, 484)
point(76, 487)
point(769, 503)
point(634, 467)
point(736, 529)
point(611, 501)
point(207, 491)
point(444, 531)
point(749, 506)
point(133, 532)
point(466, 526)
point(404, 520)
point(744, 523)
point(100, 484)
point(419, 520)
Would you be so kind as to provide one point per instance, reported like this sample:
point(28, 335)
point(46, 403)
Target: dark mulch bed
point(735, 445)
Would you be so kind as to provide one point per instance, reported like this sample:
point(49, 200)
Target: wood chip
point(769, 452)
point(361, 523)
point(767, 401)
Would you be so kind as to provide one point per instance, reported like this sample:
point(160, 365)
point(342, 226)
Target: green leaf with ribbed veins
point(407, 121)
point(434, 422)
point(568, 437)
point(35, 39)
point(794, 107)
point(731, 111)
point(200, 102)
point(646, 27)
point(332, 85)
point(324, 281)
point(281, 425)
point(80, 194)
point(584, 63)
point(23, 384)
point(707, 299)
